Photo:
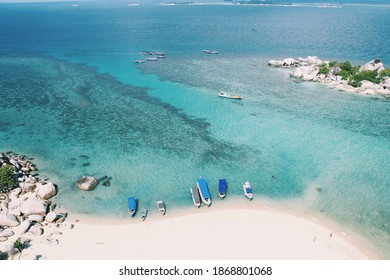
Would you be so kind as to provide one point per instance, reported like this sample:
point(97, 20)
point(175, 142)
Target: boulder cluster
point(26, 211)
point(308, 69)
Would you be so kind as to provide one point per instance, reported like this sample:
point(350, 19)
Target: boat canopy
point(222, 185)
point(160, 204)
point(195, 194)
point(249, 190)
point(203, 188)
point(131, 201)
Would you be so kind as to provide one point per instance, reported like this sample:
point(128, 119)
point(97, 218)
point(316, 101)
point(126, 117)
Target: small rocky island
point(371, 78)
point(27, 216)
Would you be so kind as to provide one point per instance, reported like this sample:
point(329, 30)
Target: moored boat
point(132, 205)
point(139, 61)
point(152, 59)
point(211, 52)
point(248, 190)
point(227, 95)
point(222, 187)
point(161, 206)
point(144, 214)
point(195, 196)
point(204, 191)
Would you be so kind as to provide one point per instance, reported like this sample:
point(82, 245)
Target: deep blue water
point(72, 97)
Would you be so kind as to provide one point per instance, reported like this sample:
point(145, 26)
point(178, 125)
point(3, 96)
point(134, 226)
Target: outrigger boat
point(195, 196)
point(161, 206)
point(222, 187)
point(227, 95)
point(204, 191)
point(132, 205)
point(144, 214)
point(248, 190)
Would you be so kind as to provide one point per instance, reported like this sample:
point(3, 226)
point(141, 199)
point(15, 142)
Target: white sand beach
point(220, 232)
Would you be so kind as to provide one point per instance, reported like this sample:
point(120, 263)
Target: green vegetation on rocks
point(6, 178)
point(324, 69)
point(352, 74)
point(367, 75)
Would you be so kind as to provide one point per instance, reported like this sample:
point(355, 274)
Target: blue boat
point(222, 187)
point(204, 191)
point(132, 205)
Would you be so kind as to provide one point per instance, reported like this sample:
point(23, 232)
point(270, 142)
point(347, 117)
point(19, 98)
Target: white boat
point(195, 196)
point(139, 61)
point(144, 214)
point(152, 59)
point(227, 95)
point(211, 52)
point(248, 190)
point(161, 207)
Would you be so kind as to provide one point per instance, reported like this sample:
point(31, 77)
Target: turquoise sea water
point(72, 97)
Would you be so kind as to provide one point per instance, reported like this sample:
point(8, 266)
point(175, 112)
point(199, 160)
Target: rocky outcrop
point(51, 217)
point(34, 207)
point(308, 69)
point(373, 65)
point(46, 191)
point(86, 183)
point(7, 233)
point(24, 226)
point(24, 208)
point(306, 73)
point(8, 220)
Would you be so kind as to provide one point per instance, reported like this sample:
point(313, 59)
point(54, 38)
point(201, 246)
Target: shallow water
point(72, 97)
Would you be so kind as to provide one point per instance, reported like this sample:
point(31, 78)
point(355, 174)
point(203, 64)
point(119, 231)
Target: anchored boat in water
point(227, 95)
point(195, 196)
point(161, 206)
point(204, 191)
point(132, 205)
point(144, 214)
point(222, 187)
point(248, 190)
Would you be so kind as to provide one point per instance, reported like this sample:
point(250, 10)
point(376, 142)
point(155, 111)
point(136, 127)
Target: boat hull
point(247, 191)
point(195, 196)
point(204, 196)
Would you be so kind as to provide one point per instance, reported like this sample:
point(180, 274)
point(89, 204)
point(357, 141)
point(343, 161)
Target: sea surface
point(72, 97)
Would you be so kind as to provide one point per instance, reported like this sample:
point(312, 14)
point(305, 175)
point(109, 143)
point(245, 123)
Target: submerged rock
point(86, 183)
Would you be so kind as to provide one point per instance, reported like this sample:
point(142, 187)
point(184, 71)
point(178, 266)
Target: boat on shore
point(204, 191)
point(227, 95)
point(144, 214)
point(248, 190)
point(161, 206)
point(222, 188)
point(132, 205)
point(195, 196)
